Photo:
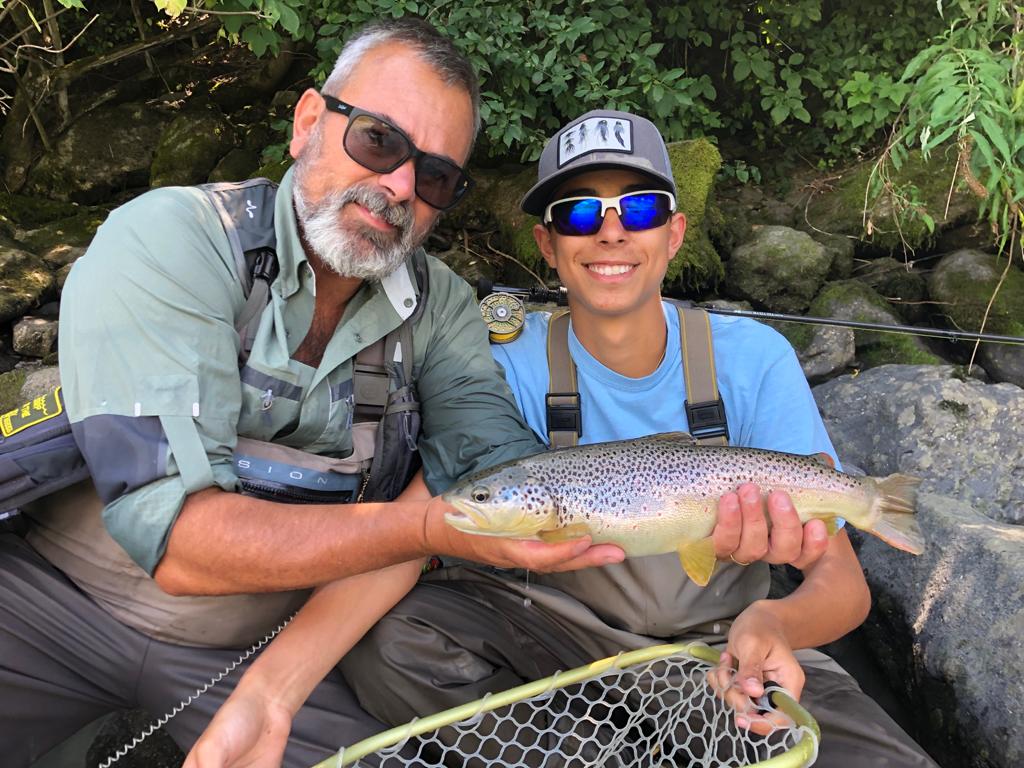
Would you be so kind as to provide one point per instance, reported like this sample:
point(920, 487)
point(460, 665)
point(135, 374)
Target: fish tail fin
point(895, 505)
point(698, 559)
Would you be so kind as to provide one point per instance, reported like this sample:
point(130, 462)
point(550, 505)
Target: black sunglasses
point(381, 147)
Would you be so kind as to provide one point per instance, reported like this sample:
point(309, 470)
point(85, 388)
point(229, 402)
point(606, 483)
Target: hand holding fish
point(742, 530)
point(533, 555)
point(660, 494)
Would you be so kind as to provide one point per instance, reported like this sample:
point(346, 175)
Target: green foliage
point(805, 74)
point(966, 90)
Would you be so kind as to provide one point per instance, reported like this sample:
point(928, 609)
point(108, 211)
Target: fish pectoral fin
point(831, 526)
point(698, 559)
point(574, 531)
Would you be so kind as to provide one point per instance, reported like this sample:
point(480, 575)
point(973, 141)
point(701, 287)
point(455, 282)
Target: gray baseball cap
point(600, 139)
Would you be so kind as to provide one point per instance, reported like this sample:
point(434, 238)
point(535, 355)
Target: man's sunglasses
point(579, 216)
point(381, 147)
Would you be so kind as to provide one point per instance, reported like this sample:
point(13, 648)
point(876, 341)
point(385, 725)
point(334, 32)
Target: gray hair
point(434, 49)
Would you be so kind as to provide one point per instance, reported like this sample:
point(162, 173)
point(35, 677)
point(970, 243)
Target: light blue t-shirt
point(768, 403)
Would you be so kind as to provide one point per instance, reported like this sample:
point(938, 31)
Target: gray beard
point(354, 250)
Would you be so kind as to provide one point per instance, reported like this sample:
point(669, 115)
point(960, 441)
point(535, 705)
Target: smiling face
point(613, 272)
point(358, 222)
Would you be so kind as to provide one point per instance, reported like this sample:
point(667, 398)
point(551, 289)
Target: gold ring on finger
point(738, 562)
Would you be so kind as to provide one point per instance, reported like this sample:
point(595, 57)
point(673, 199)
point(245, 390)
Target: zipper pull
point(268, 399)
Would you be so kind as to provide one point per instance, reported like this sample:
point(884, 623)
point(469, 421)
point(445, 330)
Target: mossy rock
point(10, 389)
point(32, 212)
point(24, 279)
point(780, 268)
point(236, 164)
point(190, 148)
point(76, 231)
point(837, 206)
point(695, 164)
point(965, 281)
point(853, 300)
point(273, 171)
point(104, 152)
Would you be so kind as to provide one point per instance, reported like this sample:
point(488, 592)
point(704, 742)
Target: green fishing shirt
point(149, 364)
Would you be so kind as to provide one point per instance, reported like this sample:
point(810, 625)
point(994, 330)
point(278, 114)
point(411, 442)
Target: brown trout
point(660, 494)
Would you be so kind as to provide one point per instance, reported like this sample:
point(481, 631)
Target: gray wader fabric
point(65, 662)
point(464, 633)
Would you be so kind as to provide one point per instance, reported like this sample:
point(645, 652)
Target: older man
point(139, 594)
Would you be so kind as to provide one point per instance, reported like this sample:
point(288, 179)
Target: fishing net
point(654, 707)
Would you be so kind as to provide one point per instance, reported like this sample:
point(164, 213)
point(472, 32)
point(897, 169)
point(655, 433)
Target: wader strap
point(705, 411)
point(370, 382)
point(565, 424)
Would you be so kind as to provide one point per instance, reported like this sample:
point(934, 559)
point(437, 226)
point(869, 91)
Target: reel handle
point(559, 296)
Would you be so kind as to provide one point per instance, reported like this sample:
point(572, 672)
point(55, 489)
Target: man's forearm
point(832, 600)
point(225, 543)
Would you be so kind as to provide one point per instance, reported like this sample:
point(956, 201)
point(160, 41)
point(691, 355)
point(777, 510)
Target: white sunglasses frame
point(610, 202)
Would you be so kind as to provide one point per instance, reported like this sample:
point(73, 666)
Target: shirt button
point(408, 302)
point(358, 337)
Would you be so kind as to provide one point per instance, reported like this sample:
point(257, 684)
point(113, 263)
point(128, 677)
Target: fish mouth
point(468, 519)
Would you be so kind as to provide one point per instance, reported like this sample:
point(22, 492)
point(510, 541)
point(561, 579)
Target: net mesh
point(661, 713)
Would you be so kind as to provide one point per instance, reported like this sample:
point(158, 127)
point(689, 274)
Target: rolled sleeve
point(148, 358)
point(470, 419)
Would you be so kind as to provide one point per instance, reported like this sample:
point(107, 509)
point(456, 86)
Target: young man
point(609, 227)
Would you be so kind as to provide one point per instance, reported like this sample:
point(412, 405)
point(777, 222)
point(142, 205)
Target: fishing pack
point(39, 454)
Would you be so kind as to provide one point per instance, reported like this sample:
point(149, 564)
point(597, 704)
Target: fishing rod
point(507, 318)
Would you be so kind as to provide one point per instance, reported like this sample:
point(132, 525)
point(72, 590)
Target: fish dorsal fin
point(823, 458)
point(573, 531)
point(674, 437)
point(698, 559)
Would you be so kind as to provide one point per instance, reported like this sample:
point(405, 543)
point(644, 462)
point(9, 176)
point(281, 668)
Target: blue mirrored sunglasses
point(580, 216)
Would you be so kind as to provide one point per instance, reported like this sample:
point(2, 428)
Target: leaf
point(289, 21)
point(779, 113)
point(996, 136)
point(741, 70)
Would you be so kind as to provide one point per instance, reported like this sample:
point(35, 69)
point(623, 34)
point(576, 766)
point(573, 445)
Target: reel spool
point(504, 315)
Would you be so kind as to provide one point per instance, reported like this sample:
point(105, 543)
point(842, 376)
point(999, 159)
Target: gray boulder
point(949, 623)
point(824, 352)
point(946, 626)
point(854, 300)
point(105, 151)
point(963, 437)
point(964, 282)
point(779, 268)
point(35, 336)
point(190, 148)
point(24, 280)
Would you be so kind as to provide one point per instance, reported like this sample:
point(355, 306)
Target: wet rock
point(190, 148)
point(24, 280)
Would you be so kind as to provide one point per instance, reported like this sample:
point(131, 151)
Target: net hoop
point(803, 753)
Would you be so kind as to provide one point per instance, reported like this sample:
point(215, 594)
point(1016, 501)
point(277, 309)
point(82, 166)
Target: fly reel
point(504, 315)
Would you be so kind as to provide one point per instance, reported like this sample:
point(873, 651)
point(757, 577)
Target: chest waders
point(39, 456)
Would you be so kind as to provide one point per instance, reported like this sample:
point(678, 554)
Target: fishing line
point(177, 708)
point(560, 296)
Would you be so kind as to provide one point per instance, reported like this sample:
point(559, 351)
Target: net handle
point(806, 748)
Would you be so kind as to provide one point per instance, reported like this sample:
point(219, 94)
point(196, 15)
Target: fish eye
point(481, 494)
